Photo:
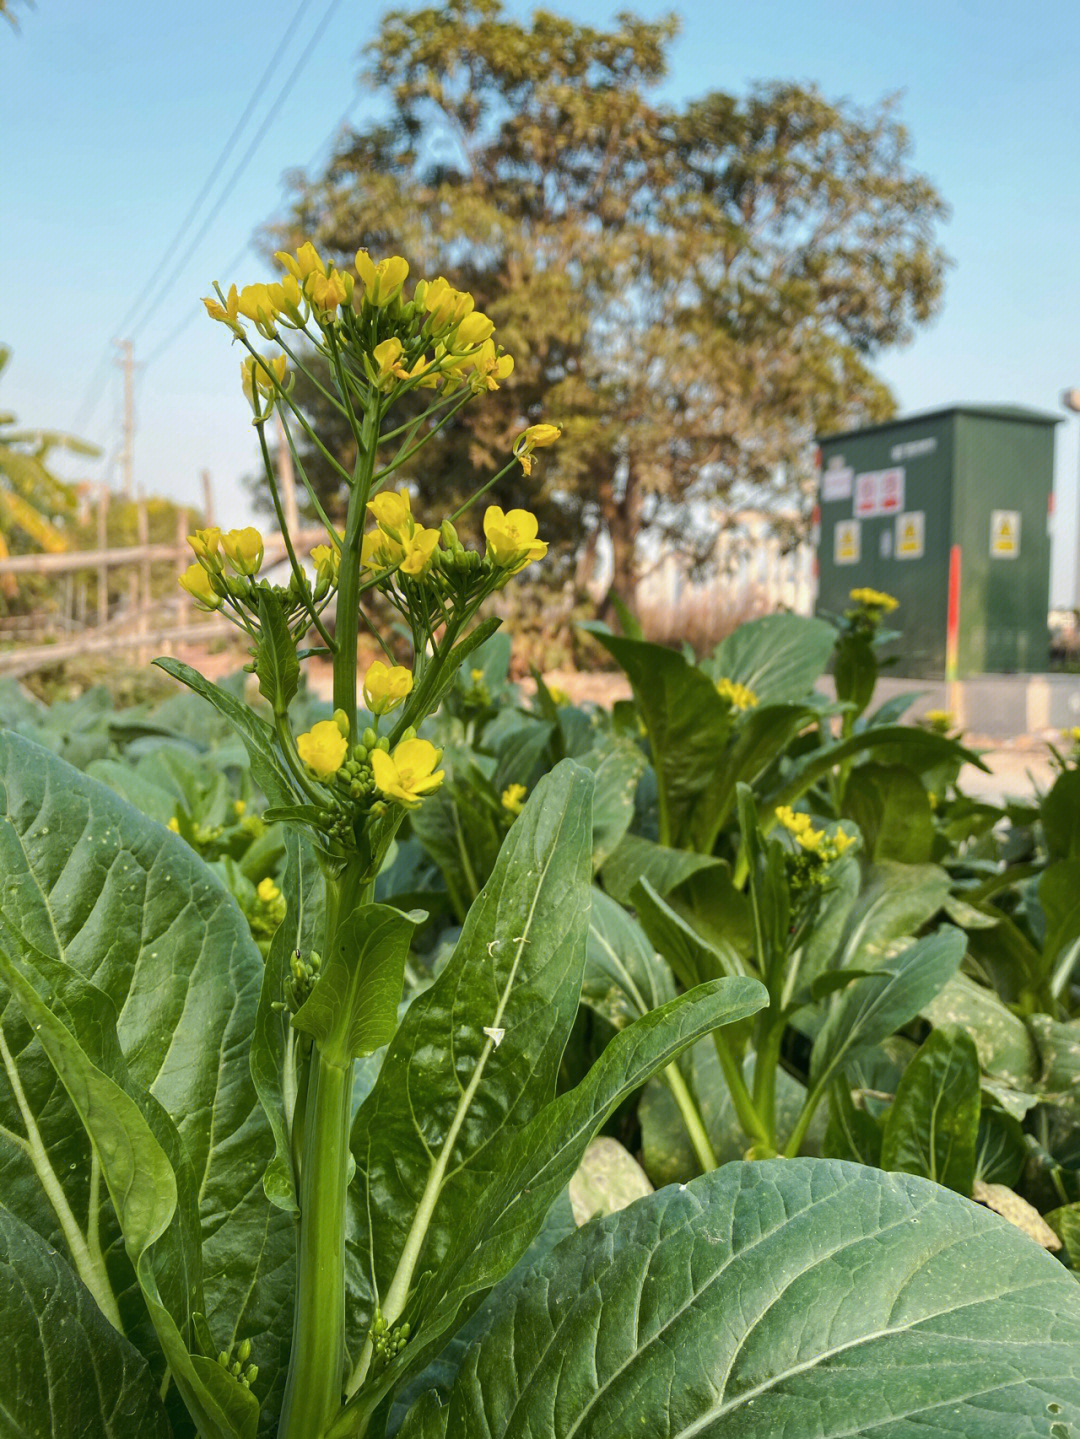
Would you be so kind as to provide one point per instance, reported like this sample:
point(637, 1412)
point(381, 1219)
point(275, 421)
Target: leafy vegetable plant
point(288, 1189)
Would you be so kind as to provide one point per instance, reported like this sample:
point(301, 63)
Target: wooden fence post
point(103, 569)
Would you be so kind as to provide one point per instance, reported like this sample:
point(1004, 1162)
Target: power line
point(96, 385)
point(268, 119)
point(215, 170)
point(227, 269)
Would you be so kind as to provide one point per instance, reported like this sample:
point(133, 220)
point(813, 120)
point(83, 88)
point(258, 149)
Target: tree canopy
point(691, 291)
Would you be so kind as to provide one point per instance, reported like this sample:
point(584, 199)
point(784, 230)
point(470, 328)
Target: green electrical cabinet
point(946, 510)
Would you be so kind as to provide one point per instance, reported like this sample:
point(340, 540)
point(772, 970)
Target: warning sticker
point(911, 535)
point(1004, 534)
point(879, 492)
point(846, 547)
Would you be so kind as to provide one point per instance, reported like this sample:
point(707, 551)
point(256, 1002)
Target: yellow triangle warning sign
point(911, 535)
point(1004, 534)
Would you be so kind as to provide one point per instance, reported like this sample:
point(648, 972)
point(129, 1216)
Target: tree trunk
point(622, 519)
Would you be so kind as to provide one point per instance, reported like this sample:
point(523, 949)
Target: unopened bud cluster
point(244, 1373)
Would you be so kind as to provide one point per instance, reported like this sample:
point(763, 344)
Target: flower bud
point(244, 550)
point(341, 719)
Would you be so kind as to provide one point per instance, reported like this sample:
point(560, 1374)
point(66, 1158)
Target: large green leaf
point(799, 1298)
point(875, 1005)
point(688, 726)
point(67, 1371)
point(141, 1183)
point(256, 734)
point(624, 976)
point(477, 1054)
point(891, 806)
point(932, 1126)
point(1005, 1047)
point(635, 858)
point(779, 657)
point(895, 900)
point(276, 664)
point(92, 885)
point(618, 766)
point(539, 1161)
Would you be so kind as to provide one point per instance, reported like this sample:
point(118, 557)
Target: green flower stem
point(317, 1358)
point(809, 1109)
point(348, 600)
point(691, 1116)
point(767, 1060)
point(748, 1116)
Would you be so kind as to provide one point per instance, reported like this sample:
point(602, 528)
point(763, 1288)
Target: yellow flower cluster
point(242, 550)
point(398, 542)
point(513, 798)
point(875, 600)
point(740, 697)
point(941, 721)
point(813, 841)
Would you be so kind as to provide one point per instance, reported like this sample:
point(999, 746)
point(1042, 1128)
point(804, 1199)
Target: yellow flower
point(307, 262)
point(409, 773)
point(558, 696)
point(488, 367)
point(474, 329)
point(268, 891)
point(536, 437)
point(255, 304)
point(386, 686)
point(323, 748)
point(388, 366)
point(265, 377)
point(197, 583)
point(380, 552)
point(382, 282)
point(511, 539)
point(287, 298)
point(328, 292)
point(206, 544)
point(174, 825)
point(327, 563)
point(513, 798)
point(875, 600)
point(810, 840)
point(228, 313)
point(740, 697)
point(239, 808)
point(446, 306)
point(244, 550)
point(392, 510)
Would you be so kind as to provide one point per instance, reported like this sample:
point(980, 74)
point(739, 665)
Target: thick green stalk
point(317, 1358)
point(766, 1062)
point(348, 597)
point(691, 1116)
point(749, 1118)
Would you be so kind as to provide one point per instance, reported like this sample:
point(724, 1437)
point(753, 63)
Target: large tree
point(690, 291)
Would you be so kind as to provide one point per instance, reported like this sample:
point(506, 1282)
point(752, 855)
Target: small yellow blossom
point(488, 367)
point(306, 262)
point(388, 366)
point(255, 304)
point(382, 282)
point(197, 583)
point(409, 773)
point(228, 313)
point(386, 686)
point(558, 697)
point(323, 748)
point(875, 600)
point(1072, 735)
point(206, 544)
point(511, 539)
point(244, 550)
point(267, 890)
point(536, 437)
point(174, 825)
point(446, 306)
point(380, 552)
point(392, 511)
point(239, 808)
point(265, 376)
point(513, 798)
point(419, 548)
point(740, 697)
point(288, 298)
point(474, 329)
point(327, 563)
point(477, 676)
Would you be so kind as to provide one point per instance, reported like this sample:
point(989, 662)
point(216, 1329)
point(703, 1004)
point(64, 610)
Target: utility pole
point(127, 365)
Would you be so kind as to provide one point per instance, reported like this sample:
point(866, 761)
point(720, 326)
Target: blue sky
point(112, 116)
